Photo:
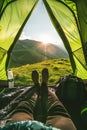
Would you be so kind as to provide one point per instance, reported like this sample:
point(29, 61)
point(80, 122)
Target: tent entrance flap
point(12, 20)
point(64, 16)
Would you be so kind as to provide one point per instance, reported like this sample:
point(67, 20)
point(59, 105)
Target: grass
point(56, 67)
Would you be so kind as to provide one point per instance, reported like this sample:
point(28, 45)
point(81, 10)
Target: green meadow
point(57, 68)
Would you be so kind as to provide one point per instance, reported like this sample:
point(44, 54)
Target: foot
point(35, 77)
point(45, 75)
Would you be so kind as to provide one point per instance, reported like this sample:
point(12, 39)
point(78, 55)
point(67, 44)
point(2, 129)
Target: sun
point(44, 38)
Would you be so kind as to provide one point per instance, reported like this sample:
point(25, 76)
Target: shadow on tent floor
point(74, 111)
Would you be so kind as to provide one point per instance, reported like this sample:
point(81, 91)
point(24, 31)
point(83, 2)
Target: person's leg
point(40, 110)
point(57, 114)
point(24, 110)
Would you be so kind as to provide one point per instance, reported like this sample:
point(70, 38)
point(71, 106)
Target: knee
point(19, 116)
point(61, 122)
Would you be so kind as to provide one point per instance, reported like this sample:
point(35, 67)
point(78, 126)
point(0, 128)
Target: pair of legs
point(43, 106)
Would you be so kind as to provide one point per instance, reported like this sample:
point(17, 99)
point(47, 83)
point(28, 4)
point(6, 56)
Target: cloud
point(24, 36)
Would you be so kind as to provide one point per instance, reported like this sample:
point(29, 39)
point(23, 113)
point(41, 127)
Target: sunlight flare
point(44, 38)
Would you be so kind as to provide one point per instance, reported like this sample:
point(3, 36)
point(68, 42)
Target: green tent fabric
point(69, 17)
point(13, 16)
point(65, 15)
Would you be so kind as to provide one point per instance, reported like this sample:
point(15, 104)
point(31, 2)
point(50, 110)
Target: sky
point(40, 28)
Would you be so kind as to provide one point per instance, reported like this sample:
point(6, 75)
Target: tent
point(69, 18)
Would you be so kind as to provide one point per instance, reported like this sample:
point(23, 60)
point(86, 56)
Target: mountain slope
point(30, 51)
point(57, 68)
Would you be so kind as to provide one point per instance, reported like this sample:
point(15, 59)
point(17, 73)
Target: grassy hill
point(30, 51)
point(56, 67)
